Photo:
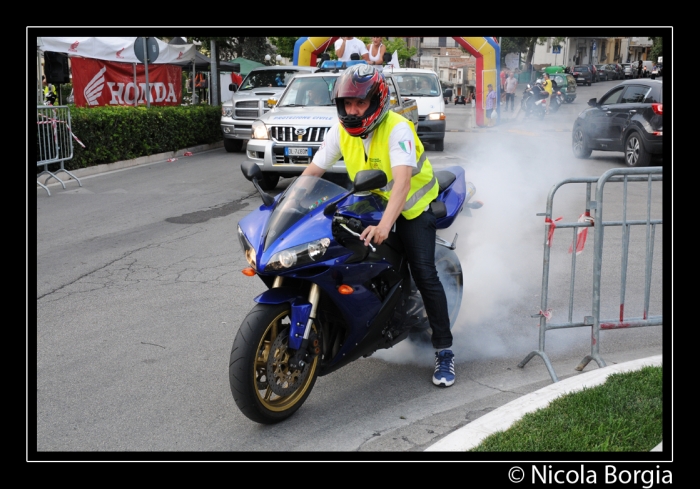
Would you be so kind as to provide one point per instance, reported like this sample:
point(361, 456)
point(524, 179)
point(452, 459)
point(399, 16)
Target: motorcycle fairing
point(300, 307)
point(453, 196)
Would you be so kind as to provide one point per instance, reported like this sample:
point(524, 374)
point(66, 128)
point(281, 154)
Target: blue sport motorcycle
point(331, 299)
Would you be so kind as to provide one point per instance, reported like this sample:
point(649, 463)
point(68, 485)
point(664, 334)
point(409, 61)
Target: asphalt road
point(140, 293)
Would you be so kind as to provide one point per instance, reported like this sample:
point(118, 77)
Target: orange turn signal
point(345, 289)
point(248, 271)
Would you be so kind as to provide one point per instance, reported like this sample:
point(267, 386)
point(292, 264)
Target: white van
point(424, 87)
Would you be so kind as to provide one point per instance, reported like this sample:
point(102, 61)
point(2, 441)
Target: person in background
point(369, 135)
point(490, 106)
point(201, 84)
point(375, 51)
point(547, 85)
point(50, 94)
point(503, 76)
point(424, 85)
point(346, 46)
point(511, 87)
point(318, 95)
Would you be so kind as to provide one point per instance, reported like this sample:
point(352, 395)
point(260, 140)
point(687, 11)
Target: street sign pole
point(146, 50)
point(145, 57)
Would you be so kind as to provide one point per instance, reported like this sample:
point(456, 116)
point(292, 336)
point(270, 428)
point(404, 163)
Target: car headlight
point(260, 131)
point(226, 111)
point(298, 255)
point(247, 248)
point(436, 116)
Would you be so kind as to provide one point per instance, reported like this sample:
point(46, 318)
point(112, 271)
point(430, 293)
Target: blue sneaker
point(444, 368)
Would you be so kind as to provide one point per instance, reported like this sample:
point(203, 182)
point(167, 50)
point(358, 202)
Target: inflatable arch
point(485, 49)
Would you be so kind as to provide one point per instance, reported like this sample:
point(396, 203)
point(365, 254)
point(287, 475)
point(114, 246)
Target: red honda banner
point(97, 82)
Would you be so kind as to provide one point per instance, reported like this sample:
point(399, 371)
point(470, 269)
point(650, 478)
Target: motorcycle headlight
point(247, 248)
point(436, 116)
point(260, 131)
point(298, 255)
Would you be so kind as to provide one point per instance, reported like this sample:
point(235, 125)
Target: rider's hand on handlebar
point(376, 234)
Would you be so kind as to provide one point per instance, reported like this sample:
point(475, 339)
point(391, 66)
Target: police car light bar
point(340, 65)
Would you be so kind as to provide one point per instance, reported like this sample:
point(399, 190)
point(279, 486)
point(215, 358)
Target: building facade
point(592, 50)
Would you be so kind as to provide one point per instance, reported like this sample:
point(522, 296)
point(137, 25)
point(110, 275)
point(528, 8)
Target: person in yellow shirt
point(547, 85)
point(369, 135)
point(50, 94)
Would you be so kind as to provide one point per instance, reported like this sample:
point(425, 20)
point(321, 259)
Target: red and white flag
point(581, 233)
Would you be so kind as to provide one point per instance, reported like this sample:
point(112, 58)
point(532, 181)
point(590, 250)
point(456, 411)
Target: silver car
point(627, 67)
point(285, 139)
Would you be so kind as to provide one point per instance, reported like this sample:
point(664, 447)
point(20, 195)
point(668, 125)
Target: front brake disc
point(282, 380)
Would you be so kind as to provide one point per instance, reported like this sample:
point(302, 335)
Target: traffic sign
point(512, 60)
point(152, 49)
point(556, 49)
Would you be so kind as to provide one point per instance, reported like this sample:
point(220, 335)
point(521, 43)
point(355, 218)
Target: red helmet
point(366, 82)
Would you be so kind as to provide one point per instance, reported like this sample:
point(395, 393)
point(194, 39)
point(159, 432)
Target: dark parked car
point(460, 99)
point(628, 118)
point(583, 74)
point(594, 71)
point(620, 71)
point(606, 72)
point(602, 75)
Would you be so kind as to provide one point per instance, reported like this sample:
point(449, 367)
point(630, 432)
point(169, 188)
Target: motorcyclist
point(547, 85)
point(367, 136)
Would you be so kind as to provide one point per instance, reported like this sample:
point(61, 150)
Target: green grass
point(622, 415)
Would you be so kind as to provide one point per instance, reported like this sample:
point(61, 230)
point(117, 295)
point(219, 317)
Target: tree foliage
point(657, 49)
point(285, 46)
point(525, 45)
point(227, 48)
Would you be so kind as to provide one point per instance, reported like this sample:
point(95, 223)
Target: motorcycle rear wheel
point(261, 347)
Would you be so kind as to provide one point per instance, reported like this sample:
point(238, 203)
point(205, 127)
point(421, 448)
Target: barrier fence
point(622, 176)
point(54, 142)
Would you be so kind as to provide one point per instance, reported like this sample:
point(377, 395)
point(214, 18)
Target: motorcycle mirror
point(364, 180)
point(369, 180)
point(252, 172)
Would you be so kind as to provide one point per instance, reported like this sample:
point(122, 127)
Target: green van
point(566, 83)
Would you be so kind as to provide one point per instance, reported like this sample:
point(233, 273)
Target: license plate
point(297, 151)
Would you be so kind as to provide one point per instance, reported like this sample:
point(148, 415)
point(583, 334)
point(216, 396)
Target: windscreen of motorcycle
point(303, 196)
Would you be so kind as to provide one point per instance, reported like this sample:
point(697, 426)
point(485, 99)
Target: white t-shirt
point(402, 148)
point(353, 45)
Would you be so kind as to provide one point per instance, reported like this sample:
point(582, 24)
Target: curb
point(121, 165)
point(503, 417)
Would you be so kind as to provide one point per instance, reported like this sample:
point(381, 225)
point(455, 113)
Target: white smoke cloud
point(501, 251)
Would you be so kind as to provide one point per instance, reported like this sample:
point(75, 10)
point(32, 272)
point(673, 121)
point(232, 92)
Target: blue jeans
point(418, 239)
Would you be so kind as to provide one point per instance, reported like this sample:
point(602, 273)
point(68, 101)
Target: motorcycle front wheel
point(263, 385)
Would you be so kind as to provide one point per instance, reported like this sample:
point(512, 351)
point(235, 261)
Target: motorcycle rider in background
point(547, 85)
point(369, 135)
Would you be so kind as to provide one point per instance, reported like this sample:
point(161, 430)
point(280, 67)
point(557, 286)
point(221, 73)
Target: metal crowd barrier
point(622, 176)
point(54, 141)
